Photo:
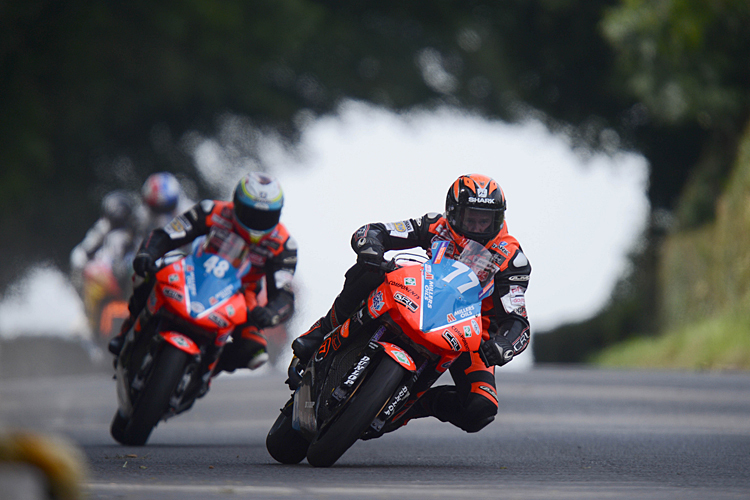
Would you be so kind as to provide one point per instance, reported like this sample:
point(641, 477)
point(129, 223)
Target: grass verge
point(719, 343)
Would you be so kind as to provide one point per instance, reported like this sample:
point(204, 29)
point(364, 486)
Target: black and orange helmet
point(475, 207)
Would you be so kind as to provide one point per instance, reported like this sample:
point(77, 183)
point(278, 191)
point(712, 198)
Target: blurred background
point(617, 128)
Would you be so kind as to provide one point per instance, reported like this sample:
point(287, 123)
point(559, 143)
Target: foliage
point(716, 343)
point(98, 96)
point(683, 58)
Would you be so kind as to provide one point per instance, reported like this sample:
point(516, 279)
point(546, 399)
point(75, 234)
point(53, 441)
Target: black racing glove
point(370, 251)
point(144, 264)
point(264, 317)
point(496, 351)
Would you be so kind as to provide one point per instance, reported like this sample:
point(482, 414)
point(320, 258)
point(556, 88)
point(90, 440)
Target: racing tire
point(117, 428)
point(286, 445)
point(334, 439)
point(169, 367)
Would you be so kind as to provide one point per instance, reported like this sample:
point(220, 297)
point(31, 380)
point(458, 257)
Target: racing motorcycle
point(169, 355)
point(371, 369)
point(106, 286)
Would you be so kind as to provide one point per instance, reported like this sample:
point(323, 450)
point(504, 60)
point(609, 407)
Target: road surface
point(563, 433)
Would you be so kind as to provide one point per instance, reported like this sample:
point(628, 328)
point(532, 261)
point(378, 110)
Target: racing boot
point(306, 344)
point(116, 342)
point(247, 351)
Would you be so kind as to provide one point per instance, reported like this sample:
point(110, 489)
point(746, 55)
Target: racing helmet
point(161, 192)
point(258, 199)
point(475, 207)
point(117, 208)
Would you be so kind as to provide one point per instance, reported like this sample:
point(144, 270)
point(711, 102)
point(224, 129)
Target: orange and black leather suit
point(472, 403)
point(273, 257)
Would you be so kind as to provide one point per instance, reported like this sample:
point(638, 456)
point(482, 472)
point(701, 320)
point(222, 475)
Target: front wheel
point(169, 367)
point(286, 445)
point(332, 441)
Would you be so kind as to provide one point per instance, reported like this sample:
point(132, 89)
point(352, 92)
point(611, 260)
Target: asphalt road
point(561, 433)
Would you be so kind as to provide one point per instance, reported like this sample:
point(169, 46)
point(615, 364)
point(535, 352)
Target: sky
point(576, 219)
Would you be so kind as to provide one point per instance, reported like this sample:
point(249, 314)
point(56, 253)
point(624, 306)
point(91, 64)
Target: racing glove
point(370, 251)
point(496, 351)
point(143, 264)
point(264, 317)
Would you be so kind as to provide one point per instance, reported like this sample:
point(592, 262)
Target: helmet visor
point(255, 219)
point(479, 223)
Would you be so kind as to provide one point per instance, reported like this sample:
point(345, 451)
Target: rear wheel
point(286, 445)
point(335, 438)
point(169, 366)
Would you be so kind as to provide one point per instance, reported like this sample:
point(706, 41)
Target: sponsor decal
point(475, 326)
point(524, 277)
point(173, 294)
point(403, 287)
point(377, 301)
point(151, 302)
point(452, 342)
point(223, 220)
point(410, 281)
point(190, 283)
point(180, 341)
point(400, 229)
point(218, 320)
point(173, 277)
point(428, 292)
point(188, 269)
point(405, 301)
point(467, 331)
point(522, 341)
point(446, 365)
point(358, 369)
point(465, 312)
point(230, 310)
point(488, 201)
point(212, 301)
point(521, 311)
point(498, 259)
point(178, 228)
point(451, 318)
point(401, 357)
point(362, 231)
point(489, 390)
point(401, 396)
point(197, 307)
point(225, 292)
point(222, 339)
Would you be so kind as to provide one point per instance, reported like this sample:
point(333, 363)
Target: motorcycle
point(170, 353)
point(372, 369)
point(106, 286)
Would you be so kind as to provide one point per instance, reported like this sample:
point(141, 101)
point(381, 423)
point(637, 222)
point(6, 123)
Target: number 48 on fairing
point(216, 265)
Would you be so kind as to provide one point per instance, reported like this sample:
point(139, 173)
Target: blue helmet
point(258, 199)
point(161, 192)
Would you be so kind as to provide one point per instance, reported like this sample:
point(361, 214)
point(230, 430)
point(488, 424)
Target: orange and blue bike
point(370, 370)
point(170, 354)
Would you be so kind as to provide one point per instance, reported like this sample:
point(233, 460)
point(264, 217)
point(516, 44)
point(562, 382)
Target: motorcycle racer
point(163, 199)
point(253, 214)
point(474, 210)
point(115, 230)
